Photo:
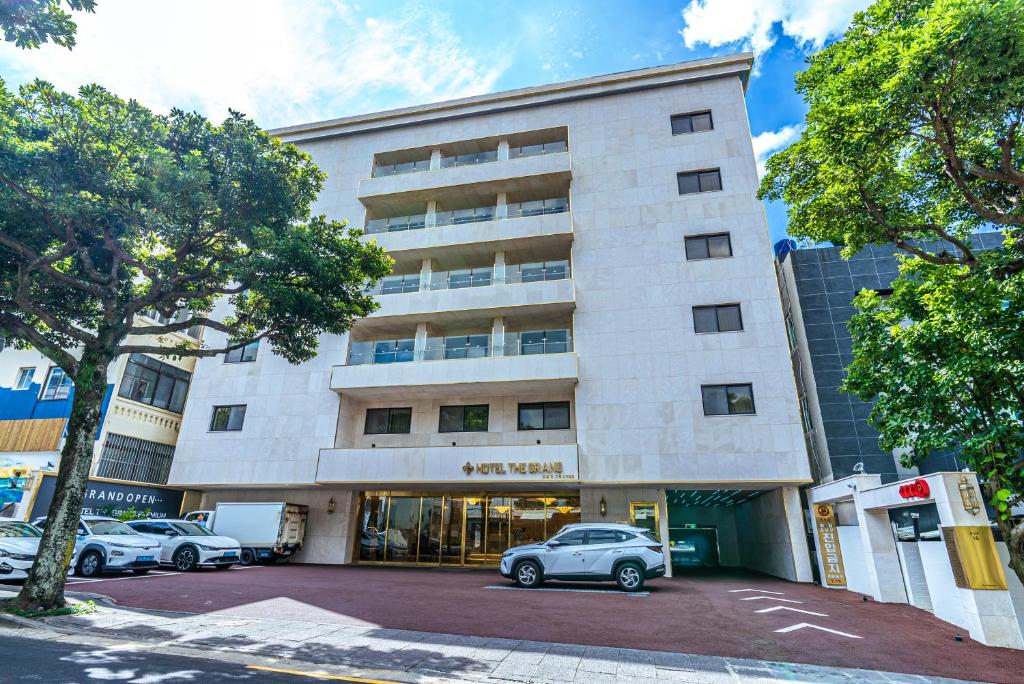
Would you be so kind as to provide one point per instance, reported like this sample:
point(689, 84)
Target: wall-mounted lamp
point(967, 495)
point(330, 505)
point(603, 507)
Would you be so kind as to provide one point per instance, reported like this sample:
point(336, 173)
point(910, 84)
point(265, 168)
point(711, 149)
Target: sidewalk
point(405, 655)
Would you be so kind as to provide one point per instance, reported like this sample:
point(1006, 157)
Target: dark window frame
point(706, 237)
point(689, 116)
point(718, 319)
point(699, 175)
point(726, 387)
point(239, 355)
point(227, 424)
point(462, 418)
point(390, 413)
point(167, 377)
point(544, 406)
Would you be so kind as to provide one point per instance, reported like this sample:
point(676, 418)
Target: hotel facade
point(583, 324)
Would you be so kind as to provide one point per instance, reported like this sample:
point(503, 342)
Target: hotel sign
point(546, 470)
point(828, 544)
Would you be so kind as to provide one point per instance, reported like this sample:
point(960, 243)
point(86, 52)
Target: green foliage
point(913, 130)
point(108, 210)
point(30, 23)
point(943, 360)
point(126, 514)
point(81, 608)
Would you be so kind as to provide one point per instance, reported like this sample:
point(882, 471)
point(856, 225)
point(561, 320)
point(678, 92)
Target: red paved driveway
point(702, 615)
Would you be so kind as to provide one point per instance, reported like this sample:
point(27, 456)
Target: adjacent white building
point(583, 323)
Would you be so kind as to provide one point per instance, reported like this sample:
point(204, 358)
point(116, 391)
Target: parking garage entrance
point(456, 529)
point(758, 529)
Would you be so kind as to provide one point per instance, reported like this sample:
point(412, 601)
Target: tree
point(30, 23)
point(108, 210)
point(943, 360)
point(913, 132)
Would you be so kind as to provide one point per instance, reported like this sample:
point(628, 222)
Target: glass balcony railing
point(472, 277)
point(535, 150)
point(382, 170)
point(555, 205)
point(396, 223)
point(469, 159)
point(479, 346)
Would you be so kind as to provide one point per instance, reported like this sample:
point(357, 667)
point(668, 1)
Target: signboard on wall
point(112, 498)
point(828, 544)
point(973, 557)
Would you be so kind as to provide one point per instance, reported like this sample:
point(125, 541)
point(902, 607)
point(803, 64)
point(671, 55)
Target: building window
point(691, 182)
point(464, 418)
point(727, 400)
point(156, 383)
point(24, 380)
point(548, 415)
point(388, 421)
point(58, 384)
point(227, 418)
point(791, 332)
point(694, 122)
point(714, 246)
point(243, 354)
point(716, 319)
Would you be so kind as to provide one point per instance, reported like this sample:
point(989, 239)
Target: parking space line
point(319, 675)
point(118, 579)
point(638, 594)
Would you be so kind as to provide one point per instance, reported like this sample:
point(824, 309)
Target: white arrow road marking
point(793, 628)
point(795, 610)
point(768, 598)
point(763, 591)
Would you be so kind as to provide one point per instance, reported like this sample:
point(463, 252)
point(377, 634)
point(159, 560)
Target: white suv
point(187, 545)
point(588, 552)
point(108, 545)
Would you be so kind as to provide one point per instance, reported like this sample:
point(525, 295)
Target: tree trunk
point(44, 588)
point(1012, 533)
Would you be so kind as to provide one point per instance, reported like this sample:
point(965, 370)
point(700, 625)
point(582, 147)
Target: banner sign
point(113, 498)
point(828, 544)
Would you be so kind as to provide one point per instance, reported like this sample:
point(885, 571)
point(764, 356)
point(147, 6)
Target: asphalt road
point(36, 660)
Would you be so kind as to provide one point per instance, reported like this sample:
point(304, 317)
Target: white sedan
point(186, 545)
point(108, 545)
point(19, 544)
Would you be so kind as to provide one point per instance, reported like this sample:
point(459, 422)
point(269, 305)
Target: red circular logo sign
point(918, 489)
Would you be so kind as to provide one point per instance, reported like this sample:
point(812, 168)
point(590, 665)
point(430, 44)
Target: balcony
point(499, 175)
point(416, 465)
point(521, 362)
point(443, 302)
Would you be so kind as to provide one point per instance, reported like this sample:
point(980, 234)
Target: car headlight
point(16, 556)
point(204, 547)
point(122, 546)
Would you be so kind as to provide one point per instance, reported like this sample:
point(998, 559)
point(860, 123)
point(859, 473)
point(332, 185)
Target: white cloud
point(752, 22)
point(280, 62)
point(772, 141)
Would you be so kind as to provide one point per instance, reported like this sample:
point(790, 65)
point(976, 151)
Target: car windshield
point(109, 527)
point(14, 528)
point(191, 529)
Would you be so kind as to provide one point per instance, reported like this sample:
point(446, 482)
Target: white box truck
point(265, 531)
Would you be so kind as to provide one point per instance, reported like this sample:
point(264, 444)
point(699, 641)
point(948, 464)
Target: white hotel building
point(583, 324)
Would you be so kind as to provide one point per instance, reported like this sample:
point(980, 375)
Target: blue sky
point(289, 61)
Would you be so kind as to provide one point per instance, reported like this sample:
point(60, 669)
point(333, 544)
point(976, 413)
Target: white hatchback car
point(108, 545)
point(186, 545)
point(588, 552)
point(19, 544)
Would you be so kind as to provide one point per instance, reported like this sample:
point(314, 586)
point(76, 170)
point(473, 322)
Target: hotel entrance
point(456, 529)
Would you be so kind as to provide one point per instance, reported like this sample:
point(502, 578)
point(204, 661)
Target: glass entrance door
point(452, 531)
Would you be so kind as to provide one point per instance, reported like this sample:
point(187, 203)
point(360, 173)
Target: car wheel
point(141, 571)
point(527, 575)
point(629, 577)
point(90, 564)
point(185, 559)
point(222, 567)
point(247, 557)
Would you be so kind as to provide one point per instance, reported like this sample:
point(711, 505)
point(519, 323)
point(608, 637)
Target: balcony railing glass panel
point(469, 159)
point(382, 170)
point(534, 150)
point(396, 223)
point(537, 272)
point(555, 205)
point(462, 347)
point(396, 285)
point(460, 216)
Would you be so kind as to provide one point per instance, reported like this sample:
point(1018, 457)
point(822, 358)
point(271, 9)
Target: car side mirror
point(554, 542)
